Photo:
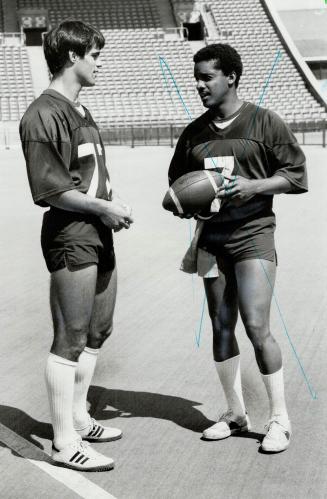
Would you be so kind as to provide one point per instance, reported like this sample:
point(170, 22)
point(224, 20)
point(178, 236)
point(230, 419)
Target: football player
point(258, 156)
point(66, 167)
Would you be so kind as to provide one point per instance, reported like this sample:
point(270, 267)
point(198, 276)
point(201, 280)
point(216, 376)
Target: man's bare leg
point(256, 279)
point(222, 299)
point(71, 300)
point(101, 326)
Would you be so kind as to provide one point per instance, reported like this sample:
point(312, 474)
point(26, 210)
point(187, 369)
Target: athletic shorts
point(247, 239)
point(76, 241)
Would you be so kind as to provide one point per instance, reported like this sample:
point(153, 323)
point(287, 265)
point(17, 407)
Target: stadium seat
point(131, 87)
point(16, 88)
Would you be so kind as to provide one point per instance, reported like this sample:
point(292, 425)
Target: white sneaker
point(96, 432)
point(278, 435)
point(80, 456)
point(228, 423)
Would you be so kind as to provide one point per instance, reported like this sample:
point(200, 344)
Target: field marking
point(73, 480)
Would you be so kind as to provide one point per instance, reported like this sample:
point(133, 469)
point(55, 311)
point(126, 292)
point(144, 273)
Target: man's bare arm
point(112, 214)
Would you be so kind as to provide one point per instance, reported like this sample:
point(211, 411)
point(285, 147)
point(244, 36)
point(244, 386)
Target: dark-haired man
point(66, 167)
point(258, 156)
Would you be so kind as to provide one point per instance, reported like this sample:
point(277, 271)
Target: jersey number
point(88, 149)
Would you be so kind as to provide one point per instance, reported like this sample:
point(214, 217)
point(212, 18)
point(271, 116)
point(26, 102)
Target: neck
point(66, 85)
point(226, 108)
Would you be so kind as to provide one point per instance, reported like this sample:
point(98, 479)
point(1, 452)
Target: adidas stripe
point(78, 457)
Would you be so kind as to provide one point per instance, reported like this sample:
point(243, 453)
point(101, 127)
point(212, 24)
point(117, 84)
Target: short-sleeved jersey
point(256, 145)
point(63, 150)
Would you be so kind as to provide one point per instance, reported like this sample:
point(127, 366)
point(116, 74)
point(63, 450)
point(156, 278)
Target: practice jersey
point(63, 150)
point(256, 145)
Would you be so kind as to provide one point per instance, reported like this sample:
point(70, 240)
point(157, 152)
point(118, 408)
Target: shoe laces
point(81, 446)
point(225, 416)
point(273, 425)
point(94, 423)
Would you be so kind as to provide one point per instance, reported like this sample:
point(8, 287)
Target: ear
point(231, 79)
point(73, 57)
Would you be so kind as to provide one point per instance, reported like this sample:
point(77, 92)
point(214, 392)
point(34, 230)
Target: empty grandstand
point(131, 93)
point(16, 89)
point(106, 14)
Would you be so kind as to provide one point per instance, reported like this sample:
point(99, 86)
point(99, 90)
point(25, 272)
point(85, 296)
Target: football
point(193, 192)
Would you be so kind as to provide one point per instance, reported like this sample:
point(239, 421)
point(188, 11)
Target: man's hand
point(116, 199)
point(238, 188)
point(242, 189)
point(116, 215)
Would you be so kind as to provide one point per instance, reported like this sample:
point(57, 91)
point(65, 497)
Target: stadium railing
point(309, 134)
point(161, 134)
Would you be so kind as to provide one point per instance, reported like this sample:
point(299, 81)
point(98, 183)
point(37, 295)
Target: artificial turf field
point(152, 379)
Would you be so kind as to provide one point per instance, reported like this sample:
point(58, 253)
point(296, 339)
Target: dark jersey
point(256, 145)
point(63, 150)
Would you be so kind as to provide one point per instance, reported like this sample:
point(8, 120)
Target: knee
point(215, 321)
point(222, 324)
point(215, 317)
point(99, 335)
point(77, 347)
point(70, 341)
point(258, 333)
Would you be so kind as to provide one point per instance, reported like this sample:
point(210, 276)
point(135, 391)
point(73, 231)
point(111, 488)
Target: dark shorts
point(248, 239)
point(75, 241)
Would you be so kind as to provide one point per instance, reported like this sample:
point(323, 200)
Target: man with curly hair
point(259, 157)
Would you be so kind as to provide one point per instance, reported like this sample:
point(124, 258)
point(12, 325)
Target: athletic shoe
point(228, 423)
point(278, 435)
point(80, 456)
point(96, 432)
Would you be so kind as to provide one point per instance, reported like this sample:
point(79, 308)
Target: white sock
point(274, 384)
point(59, 377)
point(229, 373)
point(83, 376)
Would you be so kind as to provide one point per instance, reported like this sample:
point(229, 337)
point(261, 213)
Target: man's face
point(211, 83)
point(86, 68)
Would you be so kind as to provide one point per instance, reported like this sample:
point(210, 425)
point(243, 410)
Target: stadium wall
point(293, 51)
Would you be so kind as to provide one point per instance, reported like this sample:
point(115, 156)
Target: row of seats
point(163, 107)
point(12, 108)
point(131, 82)
point(16, 89)
point(105, 14)
point(80, 5)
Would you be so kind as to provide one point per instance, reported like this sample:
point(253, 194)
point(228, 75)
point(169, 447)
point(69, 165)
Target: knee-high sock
point(83, 376)
point(59, 376)
point(229, 373)
point(274, 384)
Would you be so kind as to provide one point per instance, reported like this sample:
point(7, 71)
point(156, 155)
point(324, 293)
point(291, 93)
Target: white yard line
point(73, 480)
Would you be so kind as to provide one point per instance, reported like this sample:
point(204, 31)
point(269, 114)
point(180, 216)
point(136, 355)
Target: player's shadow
point(108, 404)
point(18, 430)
